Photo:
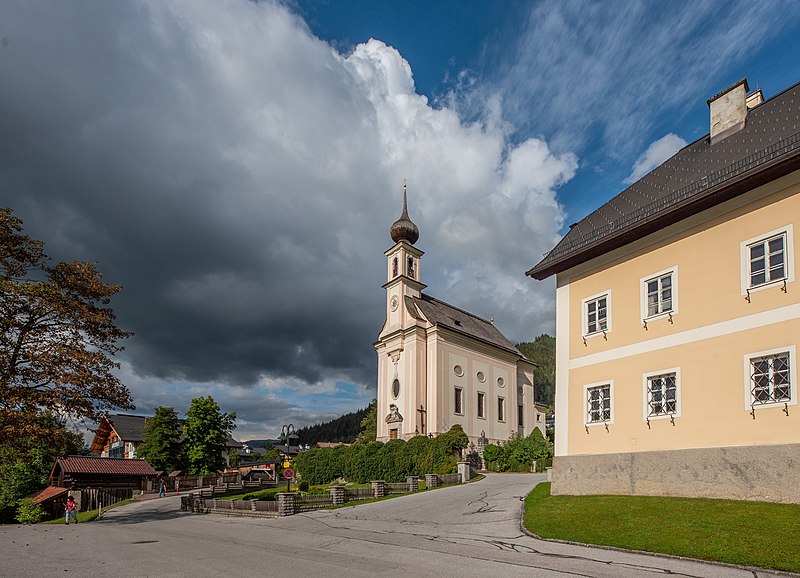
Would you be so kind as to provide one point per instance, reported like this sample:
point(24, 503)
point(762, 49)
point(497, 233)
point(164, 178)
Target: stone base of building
point(769, 473)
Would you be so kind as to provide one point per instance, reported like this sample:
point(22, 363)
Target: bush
point(392, 461)
point(303, 486)
point(519, 453)
point(29, 513)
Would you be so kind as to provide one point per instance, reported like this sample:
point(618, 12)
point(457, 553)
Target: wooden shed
point(78, 472)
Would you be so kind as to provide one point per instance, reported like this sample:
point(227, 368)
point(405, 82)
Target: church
point(439, 365)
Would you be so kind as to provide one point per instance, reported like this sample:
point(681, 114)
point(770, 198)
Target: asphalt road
point(470, 530)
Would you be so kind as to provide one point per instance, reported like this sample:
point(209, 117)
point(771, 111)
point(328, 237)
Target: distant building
point(439, 365)
point(678, 319)
point(119, 435)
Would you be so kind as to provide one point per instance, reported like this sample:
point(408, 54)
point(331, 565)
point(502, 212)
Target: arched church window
point(394, 267)
point(411, 267)
point(396, 388)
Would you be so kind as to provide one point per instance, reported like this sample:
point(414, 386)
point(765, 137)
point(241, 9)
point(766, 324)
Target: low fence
point(252, 508)
point(355, 494)
point(288, 504)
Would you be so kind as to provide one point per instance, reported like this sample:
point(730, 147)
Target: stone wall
point(765, 473)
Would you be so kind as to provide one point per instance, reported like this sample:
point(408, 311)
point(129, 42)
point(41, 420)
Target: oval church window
point(458, 370)
point(396, 388)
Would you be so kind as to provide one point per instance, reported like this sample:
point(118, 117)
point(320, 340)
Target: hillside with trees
point(542, 351)
point(342, 429)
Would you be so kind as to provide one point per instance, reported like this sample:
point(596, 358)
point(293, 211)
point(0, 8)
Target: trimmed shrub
point(392, 461)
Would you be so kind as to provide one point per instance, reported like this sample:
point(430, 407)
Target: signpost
point(288, 435)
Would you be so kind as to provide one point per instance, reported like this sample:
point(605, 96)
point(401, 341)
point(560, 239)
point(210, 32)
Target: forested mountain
point(542, 351)
point(341, 429)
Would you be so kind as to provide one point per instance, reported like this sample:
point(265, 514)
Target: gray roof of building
point(443, 314)
point(698, 176)
point(129, 428)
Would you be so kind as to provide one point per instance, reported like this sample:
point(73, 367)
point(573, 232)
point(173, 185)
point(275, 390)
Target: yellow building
point(678, 319)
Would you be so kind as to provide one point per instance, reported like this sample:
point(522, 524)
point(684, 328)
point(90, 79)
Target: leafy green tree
point(161, 446)
point(542, 351)
point(206, 429)
point(234, 458)
point(57, 336)
point(369, 425)
point(26, 462)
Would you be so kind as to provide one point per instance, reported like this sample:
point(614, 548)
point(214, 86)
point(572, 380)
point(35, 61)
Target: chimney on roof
point(728, 111)
point(755, 98)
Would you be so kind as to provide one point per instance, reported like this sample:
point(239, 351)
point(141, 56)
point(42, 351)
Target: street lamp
point(288, 435)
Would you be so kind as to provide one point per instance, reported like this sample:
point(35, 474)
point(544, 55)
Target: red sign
point(288, 473)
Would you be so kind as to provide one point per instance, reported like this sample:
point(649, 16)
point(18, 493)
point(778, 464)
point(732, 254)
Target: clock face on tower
point(394, 302)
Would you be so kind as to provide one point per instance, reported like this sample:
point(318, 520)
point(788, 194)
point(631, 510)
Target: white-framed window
point(771, 378)
point(659, 293)
point(767, 259)
point(597, 314)
point(481, 405)
point(662, 393)
point(598, 403)
point(458, 401)
point(501, 409)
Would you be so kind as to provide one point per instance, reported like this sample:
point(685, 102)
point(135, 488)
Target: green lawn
point(749, 533)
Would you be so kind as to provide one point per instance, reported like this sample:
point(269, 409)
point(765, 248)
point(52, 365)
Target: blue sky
point(442, 40)
point(236, 165)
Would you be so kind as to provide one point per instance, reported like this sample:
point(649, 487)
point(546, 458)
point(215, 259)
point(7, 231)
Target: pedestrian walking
point(162, 489)
point(177, 485)
point(72, 511)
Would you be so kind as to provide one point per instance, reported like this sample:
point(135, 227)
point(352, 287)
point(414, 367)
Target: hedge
point(392, 461)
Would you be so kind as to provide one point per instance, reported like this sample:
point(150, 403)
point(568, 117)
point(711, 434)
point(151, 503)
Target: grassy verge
point(737, 532)
point(90, 515)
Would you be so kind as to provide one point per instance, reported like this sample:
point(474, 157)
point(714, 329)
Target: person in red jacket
point(72, 511)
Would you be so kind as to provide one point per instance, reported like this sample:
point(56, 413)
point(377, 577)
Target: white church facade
point(439, 365)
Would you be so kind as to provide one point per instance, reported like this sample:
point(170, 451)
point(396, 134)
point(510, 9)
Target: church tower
point(400, 345)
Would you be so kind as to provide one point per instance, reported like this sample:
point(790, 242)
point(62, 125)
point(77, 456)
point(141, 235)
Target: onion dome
point(404, 228)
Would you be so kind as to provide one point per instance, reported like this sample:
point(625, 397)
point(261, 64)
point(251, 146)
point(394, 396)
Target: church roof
point(460, 321)
point(697, 177)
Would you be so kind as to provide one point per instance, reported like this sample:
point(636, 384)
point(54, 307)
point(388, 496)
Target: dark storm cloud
point(238, 177)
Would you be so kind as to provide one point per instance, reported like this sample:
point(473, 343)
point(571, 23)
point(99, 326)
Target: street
point(469, 530)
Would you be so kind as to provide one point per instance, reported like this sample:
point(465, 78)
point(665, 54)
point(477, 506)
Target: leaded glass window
point(459, 400)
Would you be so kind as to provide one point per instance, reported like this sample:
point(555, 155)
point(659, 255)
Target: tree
point(206, 429)
point(542, 351)
point(161, 445)
point(26, 461)
point(369, 425)
point(57, 336)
